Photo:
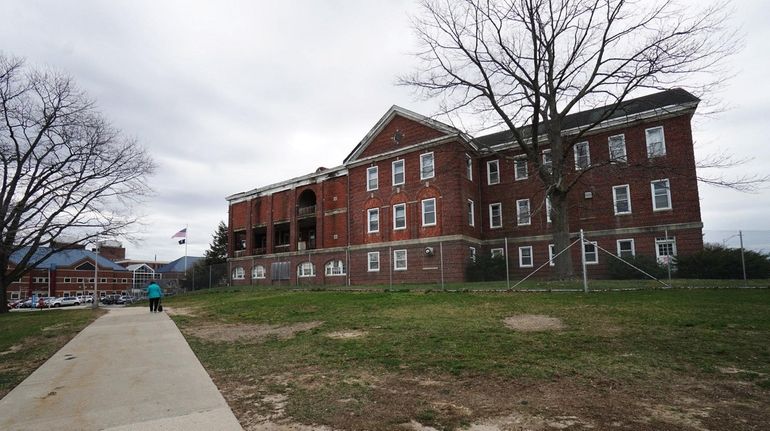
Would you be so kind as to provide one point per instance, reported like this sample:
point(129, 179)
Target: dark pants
point(154, 302)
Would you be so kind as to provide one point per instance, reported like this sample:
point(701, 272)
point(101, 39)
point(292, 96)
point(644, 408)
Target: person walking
point(154, 293)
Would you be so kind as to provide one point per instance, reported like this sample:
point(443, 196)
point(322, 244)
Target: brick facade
point(374, 203)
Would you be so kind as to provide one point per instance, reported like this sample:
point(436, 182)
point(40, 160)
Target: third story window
point(429, 212)
point(495, 215)
point(426, 166)
point(582, 155)
point(372, 180)
point(656, 143)
point(547, 160)
point(469, 167)
point(617, 145)
point(398, 172)
point(493, 172)
point(520, 168)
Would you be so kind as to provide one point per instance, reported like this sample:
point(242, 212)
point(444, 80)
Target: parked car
point(86, 299)
point(65, 301)
point(109, 299)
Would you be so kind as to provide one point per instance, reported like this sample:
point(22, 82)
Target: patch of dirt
point(181, 311)
point(533, 323)
point(55, 327)
point(249, 333)
point(680, 416)
point(342, 335)
point(13, 349)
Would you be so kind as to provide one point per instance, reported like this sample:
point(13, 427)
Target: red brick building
point(416, 199)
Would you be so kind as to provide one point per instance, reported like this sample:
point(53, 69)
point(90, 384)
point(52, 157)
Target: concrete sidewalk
point(129, 370)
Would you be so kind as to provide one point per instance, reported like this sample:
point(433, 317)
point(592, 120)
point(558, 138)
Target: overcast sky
point(232, 95)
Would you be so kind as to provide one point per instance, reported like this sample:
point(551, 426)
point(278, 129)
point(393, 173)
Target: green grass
point(27, 339)
point(647, 337)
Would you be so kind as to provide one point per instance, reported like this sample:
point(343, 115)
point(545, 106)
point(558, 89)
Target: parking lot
point(71, 302)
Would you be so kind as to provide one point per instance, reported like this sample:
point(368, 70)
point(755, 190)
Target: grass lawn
point(27, 339)
point(654, 359)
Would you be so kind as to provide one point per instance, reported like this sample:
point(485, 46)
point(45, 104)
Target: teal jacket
point(153, 291)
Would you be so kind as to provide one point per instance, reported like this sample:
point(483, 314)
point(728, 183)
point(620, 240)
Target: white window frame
point(521, 257)
point(668, 194)
point(518, 162)
point(551, 254)
point(67, 279)
point(520, 214)
point(650, 149)
point(548, 209)
point(595, 253)
point(305, 269)
point(547, 160)
point(423, 158)
point(472, 251)
point(369, 213)
point(372, 174)
point(615, 199)
point(496, 164)
point(495, 252)
point(471, 209)
point(661, 258)
point(397, 262)
point(424, 212)
point(578, 165)
point(395, 217)
point(626, 240)
point(401, 163)
point(621, 158)
point(239, 273)
point(469, 167)
point(499, 205)
point(334, 268)
point(256, 274)
point(373, 257)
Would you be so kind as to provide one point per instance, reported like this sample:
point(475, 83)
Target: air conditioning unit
point(429, 251)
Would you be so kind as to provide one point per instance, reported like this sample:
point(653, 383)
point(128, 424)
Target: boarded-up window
point(279, 271)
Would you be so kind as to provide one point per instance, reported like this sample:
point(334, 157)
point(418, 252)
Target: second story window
point(372, 179)
point(622, 199)
point(399, 216)
point(429, 212)
point(617, 146)
point(522, 212)
point(471, 213)
point(495, 215)
point(427, 169)
point(661, 195)
point(493, 172)
point(398, 172)
point(656, 143)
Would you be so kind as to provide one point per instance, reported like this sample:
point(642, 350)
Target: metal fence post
point(441, 257)
point(743, 259)
point(583, 260)
point(507, 270)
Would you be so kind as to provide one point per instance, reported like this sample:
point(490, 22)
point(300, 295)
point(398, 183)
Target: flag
point(181, 234)
point(181, 241)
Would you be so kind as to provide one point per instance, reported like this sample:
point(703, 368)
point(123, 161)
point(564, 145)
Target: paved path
point(129, 370)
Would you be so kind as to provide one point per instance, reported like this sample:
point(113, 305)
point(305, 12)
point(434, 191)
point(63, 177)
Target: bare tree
point(527, 64)
point(68, 177)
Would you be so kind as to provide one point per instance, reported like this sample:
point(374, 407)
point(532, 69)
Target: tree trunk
point(4, 293)
point(561, 239)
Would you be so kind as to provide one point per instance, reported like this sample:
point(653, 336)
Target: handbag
point(160, 307)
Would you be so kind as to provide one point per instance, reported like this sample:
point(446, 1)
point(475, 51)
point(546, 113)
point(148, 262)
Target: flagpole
point(186, 240)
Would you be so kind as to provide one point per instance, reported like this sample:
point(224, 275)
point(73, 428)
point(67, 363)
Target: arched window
point(258, 272)
point(335, 267)
point(306, 269)
point(239, 273)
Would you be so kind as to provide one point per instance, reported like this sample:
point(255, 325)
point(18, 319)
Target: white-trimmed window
point(547, 160)
point(656, 142)
point(239, 273)
point(373, 259)
point(373, 216)
point(523, 217)
point(520, 168)
point(495, 215)
point(67, 280)
point(497, 252)
point(661, 195)
point(551, 254)
point(617, 145)
point(472, 255)
point(591, 252)
point(626, 248)
point(469, 167)
point(399, 216)
point(470, 207)
point(399, 260)
point(548, 209)
point(493, 172)
point(427, 169)
point(372, 178)
point(665, 249)
point(258, 272)
point(334, 267)
point(621, 198)
point(306, 269)
point(525, 257)
point(429, 212)
point(582, 155)
point(398, 173)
